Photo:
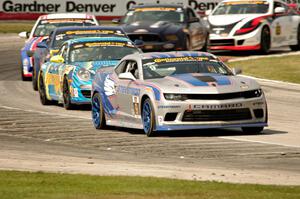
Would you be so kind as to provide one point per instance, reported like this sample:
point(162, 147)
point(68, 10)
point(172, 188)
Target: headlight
point(175, 97)
point(171, 37)
point(84, 74)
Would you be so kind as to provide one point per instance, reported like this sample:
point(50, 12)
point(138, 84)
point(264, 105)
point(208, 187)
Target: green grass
point(20, 26)
point(15, 27)
point(25, 185)
point(285, 68)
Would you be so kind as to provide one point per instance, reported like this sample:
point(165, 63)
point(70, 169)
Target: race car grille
point(86, 93)
point(225, 96)
point(145, 37)
point(216, 115)
point(222, 42)
point(222, 29)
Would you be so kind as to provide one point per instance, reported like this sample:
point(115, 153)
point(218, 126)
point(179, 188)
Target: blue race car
point(41, 30)
point(67, 77)
point(50, 46)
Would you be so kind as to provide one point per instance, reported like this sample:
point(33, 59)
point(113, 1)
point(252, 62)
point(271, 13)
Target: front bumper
point(160, 46)
point(177, 115)
point(245, 42)
point(81, 94)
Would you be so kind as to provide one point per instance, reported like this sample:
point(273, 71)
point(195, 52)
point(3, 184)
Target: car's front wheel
point(148, 118)
point(98, 112)
point(296, 47)
point(67, 96)
point(265, 41)
point(252, 130)
point(34, 79)
point(42, 91)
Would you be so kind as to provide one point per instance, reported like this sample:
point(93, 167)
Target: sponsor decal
point(155, 9)
point(167, 107)
point(87, 32)
point(180, 59)
point(106, 44)
point(278, 29)
point(218, 106)
point(245, 2)
point(136, 109)
point(160, 120)
point(128, 91)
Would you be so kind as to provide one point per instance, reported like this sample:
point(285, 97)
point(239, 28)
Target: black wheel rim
point(66, 93)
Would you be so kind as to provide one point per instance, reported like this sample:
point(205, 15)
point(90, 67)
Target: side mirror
point(208, 12)
point(53, 52)
point(29, 53)
point(127, 76)
point(116, 21)
point(279, 10)
point(139, 42)
point(236, 71)
point(57, 59)
point(42, 45)
point(24, 35)
point(194, 19)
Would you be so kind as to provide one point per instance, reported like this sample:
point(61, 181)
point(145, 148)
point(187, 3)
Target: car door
point(127, 93)
point(54, 74)
point(280, 26)
point(196, 30)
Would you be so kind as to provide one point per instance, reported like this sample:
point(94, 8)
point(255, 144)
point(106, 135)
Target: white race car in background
point(254, 25)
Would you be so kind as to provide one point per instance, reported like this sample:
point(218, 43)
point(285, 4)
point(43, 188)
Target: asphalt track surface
point(48, 138)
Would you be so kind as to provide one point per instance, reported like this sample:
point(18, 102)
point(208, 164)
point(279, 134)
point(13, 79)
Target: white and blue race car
point(176, 91)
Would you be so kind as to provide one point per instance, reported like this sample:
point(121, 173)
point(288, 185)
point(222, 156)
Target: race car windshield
point(45, 27)
point(154, 16)
point(234, 8)
point(153, 69)
point(98, 51)
point(62, 37)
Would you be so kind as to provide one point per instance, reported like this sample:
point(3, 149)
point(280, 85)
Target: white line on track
point(46, 113)
point(261, 142)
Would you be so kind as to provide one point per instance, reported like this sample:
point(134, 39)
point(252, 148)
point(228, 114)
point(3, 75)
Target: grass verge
point(285, 68)
point(26, 185)
point(15, 26)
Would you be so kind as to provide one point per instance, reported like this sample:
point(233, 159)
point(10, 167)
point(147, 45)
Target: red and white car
point(44, 25)
point(254, 25)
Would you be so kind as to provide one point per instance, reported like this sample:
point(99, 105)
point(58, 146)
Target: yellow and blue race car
point(67, 78)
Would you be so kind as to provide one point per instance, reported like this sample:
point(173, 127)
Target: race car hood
point(95, 65)
point(150, 27)
point(203, 84)
point(223, 20)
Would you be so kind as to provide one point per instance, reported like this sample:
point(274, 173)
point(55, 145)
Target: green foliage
point(26, 185)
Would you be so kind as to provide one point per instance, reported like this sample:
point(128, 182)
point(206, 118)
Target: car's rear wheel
point(23, 77)
point(67, 96)
point(252, 130)
point(42, 91)
point(34, 79)
point(188, 45)
point(98, 112)
point(265, 41)
point(296, 47)
point(148, 118)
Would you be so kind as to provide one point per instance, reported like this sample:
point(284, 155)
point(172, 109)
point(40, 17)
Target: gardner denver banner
point(103, 9)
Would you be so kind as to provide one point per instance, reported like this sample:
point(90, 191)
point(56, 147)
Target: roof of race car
point(68, 28)
point(174, 54)
point(157, 6)
point(67, 16)
point(95, 39)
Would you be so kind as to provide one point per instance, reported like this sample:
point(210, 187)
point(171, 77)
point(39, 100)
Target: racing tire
point(252, 130)
point(188, 46)
point(205, 48)
point(148, 118)
point(42, 91)
point(34, 80)
point(265, 41)
point(66, 96)
point(296, 47)
point(23, 78)
point(98, 115)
